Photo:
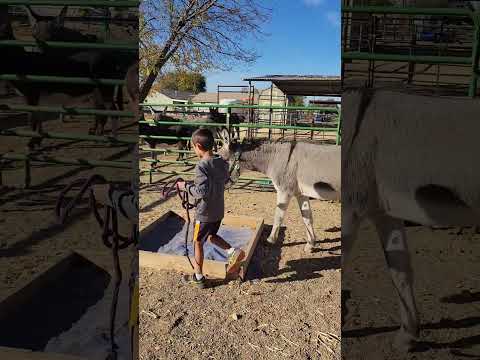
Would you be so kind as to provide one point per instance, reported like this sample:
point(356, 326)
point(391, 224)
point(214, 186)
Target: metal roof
point(303, 85)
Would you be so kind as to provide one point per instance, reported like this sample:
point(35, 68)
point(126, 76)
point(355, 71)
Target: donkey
point(52, 28)
point(179, 130)
point(48, 63)
point(96, 63)
point(298, 169)
point(217, 117)
point(407, 160)
point(168, 130)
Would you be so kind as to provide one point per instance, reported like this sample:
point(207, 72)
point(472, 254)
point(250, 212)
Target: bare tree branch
point(197, 34)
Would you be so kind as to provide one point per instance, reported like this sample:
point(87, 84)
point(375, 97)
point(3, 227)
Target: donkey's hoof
point(404, 341)
point(271, 240)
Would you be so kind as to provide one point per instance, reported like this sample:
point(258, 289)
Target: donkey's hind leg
point(306, 211)
point(392, 234)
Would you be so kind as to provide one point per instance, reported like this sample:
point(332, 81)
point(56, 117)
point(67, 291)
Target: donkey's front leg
point(393, 237)
point(306, 210)
point(283, 199)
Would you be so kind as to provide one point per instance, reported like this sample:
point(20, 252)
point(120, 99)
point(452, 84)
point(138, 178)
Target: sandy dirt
point(288, 308)
point(446, 286)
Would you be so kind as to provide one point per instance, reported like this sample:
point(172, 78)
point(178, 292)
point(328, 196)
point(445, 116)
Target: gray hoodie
point(208, 188)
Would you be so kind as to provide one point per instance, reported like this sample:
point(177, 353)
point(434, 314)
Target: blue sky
point(304, 39)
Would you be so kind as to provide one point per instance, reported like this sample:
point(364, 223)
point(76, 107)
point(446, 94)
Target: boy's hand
point(181, 185)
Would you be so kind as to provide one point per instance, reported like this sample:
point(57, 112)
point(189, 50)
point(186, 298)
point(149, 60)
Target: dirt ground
point(288, 308)
point(446, 286)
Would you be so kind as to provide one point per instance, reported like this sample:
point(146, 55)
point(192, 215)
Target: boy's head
point(203, 141)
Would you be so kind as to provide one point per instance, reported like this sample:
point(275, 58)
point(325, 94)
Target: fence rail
point(61, 79)
point(66, 110)
point(68, 136)
point(249, 126)
point(68, 161)
point(241, 106)
point(472, 61)
point(407, 10)
point(86, 3)
point(71, 45)
point(185, 122)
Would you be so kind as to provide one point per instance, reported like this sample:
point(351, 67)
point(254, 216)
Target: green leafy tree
point(183, 81)
point(297, 101)
point(197, 35)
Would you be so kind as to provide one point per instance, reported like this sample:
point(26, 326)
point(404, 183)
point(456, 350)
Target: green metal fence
point(63, 110)
point(372, 55)
point(183, 121)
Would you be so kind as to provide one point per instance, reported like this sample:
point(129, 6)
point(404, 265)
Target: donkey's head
point(230, 151)
point(47, 28)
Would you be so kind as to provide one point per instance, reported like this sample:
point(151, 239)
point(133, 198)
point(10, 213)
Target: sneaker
point(192, 280)
point(235, 259)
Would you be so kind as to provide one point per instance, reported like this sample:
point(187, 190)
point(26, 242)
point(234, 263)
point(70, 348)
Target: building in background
point(166, 96)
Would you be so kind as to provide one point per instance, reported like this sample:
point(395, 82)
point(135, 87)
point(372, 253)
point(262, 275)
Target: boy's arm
point(199, 189)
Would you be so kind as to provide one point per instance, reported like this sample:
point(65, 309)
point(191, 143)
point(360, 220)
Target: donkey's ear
point(224, 135)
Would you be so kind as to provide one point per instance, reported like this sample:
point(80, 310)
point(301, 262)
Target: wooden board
point(211, 268)
point(16, 298)
point(25, 354)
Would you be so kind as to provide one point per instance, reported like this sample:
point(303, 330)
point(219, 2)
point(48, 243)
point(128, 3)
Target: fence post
point(339, 128)
point(229, 112)
point(475, 56)
point(270, 112)
point(27, 178)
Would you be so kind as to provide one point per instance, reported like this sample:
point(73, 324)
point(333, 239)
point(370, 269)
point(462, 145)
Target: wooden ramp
point(24, 354)
point(211, 268)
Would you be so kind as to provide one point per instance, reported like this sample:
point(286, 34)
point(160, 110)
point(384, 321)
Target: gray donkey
point(407, 158)
point(297, 169)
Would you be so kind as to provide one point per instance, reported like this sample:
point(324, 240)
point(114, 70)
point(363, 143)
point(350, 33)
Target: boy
point(211, 174)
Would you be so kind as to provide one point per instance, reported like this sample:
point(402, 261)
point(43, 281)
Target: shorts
point(202, 230)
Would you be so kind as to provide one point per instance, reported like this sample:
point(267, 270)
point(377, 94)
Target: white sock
point(230, 251)
point(199, 276)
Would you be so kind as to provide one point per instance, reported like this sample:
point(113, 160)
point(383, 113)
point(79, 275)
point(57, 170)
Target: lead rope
point(117, 243)
point(186, 205)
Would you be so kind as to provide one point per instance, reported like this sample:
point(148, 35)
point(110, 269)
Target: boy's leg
point(199, 236)
point(198, 264)
point(219, 241)
point(234, 256)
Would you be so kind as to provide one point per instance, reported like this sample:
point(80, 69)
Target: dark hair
point(204, 138)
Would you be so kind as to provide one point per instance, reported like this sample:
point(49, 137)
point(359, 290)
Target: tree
point(296, 101)
point(197, 35)
point(183, 81)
